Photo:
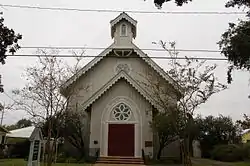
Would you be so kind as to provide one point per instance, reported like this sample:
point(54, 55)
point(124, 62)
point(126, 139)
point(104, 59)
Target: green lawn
point(21, 162)
point(196, 162)
point(207, 162)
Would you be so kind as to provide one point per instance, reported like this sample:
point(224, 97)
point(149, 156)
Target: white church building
point(118, 105)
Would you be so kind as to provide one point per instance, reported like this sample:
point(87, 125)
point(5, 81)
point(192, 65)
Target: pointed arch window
point(123, 30)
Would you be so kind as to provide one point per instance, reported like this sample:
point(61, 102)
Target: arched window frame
point(124, 30)
point(122, 112)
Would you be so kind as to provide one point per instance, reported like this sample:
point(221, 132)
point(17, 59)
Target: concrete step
point(103, 164)
point(120, 160)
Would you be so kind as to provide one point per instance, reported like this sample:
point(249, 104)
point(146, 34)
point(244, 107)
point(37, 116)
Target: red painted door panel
point(121, 140)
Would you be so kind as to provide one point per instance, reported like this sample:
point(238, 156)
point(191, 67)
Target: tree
point(8, 43)
point(216, 131)
point(24, 123)
point(239, 3)
point(164, 125)
point(196, 84)
point(73, 131)
point(57, 122)
point(245, 124)
point(20, 124)
point(196, 79)
point(159, 3)
point(41, 96)
point(230, 3)
point(234, 43)
point(10, 127)
point(70, 127)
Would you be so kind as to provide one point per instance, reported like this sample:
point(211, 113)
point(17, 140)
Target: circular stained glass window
point(122, 112)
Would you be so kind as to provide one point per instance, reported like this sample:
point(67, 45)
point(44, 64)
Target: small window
point(123, 30)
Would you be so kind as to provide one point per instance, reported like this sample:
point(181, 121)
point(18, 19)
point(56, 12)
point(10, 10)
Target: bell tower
point(123, 30)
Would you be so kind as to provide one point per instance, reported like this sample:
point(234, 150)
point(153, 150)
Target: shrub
point(1, 153)
point(246, 150)
point(228, 153)
point(19, 149)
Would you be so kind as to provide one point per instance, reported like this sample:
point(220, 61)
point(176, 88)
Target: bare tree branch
point(41, 97)
point(197, 83)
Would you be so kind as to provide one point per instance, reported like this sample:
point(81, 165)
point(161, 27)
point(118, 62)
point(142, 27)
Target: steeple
point(123, 29)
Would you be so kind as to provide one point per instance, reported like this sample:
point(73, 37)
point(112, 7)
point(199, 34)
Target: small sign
point(148, 144)
point(36, 150)
point(35, 147)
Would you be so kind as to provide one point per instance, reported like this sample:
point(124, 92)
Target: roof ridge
point(124, 14)
point(104, 53)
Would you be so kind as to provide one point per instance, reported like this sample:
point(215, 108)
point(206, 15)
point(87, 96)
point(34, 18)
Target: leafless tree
point(41, 97)
point(193, 83)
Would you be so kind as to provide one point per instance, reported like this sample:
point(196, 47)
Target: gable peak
point(123, 27)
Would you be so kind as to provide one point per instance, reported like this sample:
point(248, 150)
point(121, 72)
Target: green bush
point(228, 153)
point(1, 153)
point(246, 150)
point(19, 149)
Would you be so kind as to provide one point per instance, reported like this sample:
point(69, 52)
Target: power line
point(10, 97)
point(102, 48)
point(7, 107)
point(119, 11)
point(110, 56)
point(12, 116)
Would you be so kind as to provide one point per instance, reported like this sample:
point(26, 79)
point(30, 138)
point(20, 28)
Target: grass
point(207, 162)
point(22, 162)
point(196, 162)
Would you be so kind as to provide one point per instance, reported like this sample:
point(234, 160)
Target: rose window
point(122, 67)
point(122, 112)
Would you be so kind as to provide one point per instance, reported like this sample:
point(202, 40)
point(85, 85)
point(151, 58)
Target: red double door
point(121, 140)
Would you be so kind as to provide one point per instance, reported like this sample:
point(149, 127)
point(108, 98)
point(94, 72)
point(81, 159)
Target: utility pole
point(1, 86)
point(2, 112)
point(1, 106)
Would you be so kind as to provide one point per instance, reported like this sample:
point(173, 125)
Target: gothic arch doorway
point(121, 129)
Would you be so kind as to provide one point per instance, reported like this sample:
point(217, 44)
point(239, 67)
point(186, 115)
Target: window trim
point(126, 30)
point(118, 112)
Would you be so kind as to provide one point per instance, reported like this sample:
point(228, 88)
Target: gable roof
point(21, 133)
point(141, 54)
point(157, 68)
point(115, 79)
point(86, 68)
point(122, 16)
point(36, 131)
point(245, 131)
point(4, 130)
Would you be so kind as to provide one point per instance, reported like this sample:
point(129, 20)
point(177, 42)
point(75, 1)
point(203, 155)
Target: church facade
point(118, 101)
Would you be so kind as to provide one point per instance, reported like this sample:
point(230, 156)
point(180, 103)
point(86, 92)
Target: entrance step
point(120, 160)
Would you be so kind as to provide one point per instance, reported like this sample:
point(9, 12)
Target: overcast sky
point(92, 29)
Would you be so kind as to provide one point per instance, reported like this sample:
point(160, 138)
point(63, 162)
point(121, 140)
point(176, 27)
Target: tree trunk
point(186, 160)
point(49, 153)
point(55, 147)
point(158, 157)
point(50, 148)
